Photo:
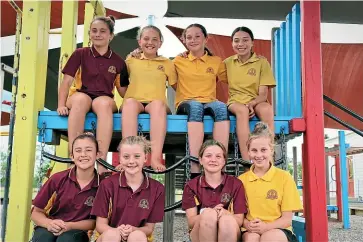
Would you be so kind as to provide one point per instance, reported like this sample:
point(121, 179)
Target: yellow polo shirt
point(244, 79)
point(268, 196)
point(197, 78)
point(149, 78)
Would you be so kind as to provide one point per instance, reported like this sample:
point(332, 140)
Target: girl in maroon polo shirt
point(63, 205)
point(128, 204)
point(214, 202)
point(90, 76)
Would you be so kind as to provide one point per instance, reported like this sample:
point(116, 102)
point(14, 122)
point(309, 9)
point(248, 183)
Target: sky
point(348, 33)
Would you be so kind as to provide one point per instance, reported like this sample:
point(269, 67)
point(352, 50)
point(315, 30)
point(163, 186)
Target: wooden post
point(314, 167)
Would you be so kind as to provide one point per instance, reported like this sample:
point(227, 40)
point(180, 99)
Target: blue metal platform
point(56, 125)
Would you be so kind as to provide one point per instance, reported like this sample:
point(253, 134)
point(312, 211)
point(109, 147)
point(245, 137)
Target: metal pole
point(168, 223)
point(327, 171)
point(294, 160)
point(11, 124)
point(344, 179)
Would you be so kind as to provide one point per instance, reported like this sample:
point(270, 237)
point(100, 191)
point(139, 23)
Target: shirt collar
point(253, 58)
point(95, 53)
point(204, 183)
point(204, 58)
point(72, 175)
point(143, 57)
point(123, 181)
point(267, 177)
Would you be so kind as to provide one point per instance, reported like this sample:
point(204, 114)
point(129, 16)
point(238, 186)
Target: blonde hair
point(141, 30)
point(136, 140)
point(261, 130)
point(212, 142)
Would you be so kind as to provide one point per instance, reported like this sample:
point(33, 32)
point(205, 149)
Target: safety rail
point(287, 65)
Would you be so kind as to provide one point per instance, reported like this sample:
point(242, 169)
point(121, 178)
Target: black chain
point(282, 142)
point(187, 162)
point(42, 145)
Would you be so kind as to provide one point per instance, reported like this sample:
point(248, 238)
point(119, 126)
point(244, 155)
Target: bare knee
point(79, 102)
point(250, 237)
point(240, 110)
point(274, 234)
point(137, 236)
point(264, 111)
point(110, 235)
point(227, 224)
point(103, 105)
point(208, 218)
point(156, 106)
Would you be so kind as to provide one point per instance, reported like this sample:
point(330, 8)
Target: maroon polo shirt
point(116, 201)
point(62, 198)
point(98, 74)
point(198, 193)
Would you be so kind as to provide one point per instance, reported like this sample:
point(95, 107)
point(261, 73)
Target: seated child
point(128, 204)
point(271, 193)
point(214, 202)
point(63, 205)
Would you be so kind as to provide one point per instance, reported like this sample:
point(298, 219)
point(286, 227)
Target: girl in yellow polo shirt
point(196, 90)
point(249, 78)
point(149, 75)
point(271, 193)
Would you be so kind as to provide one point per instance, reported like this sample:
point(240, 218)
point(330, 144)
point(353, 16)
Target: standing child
point(196, 92)
point(249, 78)
point(214, 202)
point(63, 205)
point(90, 76)
point(129, 204)
point(271, 192)
point(149, 75)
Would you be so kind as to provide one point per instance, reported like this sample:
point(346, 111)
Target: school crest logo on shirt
point(251, 72)
point(161, 68)
point(144, 204)
point(225, 198)
point(272, 194)
point(89, 201)
point(112, 69)
point(210, 70)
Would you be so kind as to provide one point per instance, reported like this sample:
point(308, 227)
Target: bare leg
point(194, 234)
point(250, 237)
point(137, 236)
point(221, 132)
point(243, 127)
point(130, 109)
point(266, 114)
point(104, 107)
point(79, 105)
point(228, 229)
point(273, 235)
point(157, 110)
point(110, 235)
point(208, 226)
point(195, 139)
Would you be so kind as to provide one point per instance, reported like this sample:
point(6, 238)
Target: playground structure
point(297, 111)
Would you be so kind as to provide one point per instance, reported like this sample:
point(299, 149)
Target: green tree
point(3, 158)
point(290, 168)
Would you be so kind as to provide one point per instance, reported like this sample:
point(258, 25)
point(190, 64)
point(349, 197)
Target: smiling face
point(242, 43)
point(150, 42)
point(260, 152)
point(195, 39)
point(132, 158)
point(100, 33)
point(212, 159)
point(84, 154)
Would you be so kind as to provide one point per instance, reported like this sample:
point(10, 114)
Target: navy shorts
point(196, 110)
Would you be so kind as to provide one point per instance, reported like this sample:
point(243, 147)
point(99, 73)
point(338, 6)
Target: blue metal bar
point(296, 100)
point(288, 69)
point(151, 20)
point(277, 72)
point(282, 70)
point(344, 179)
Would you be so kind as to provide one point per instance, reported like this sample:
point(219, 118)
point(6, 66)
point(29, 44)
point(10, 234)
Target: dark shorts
point(43, 235)
point(289, 235)
point(196, 110)
point(92, 95)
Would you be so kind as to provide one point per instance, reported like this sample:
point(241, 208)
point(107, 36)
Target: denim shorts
point(196, 110)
